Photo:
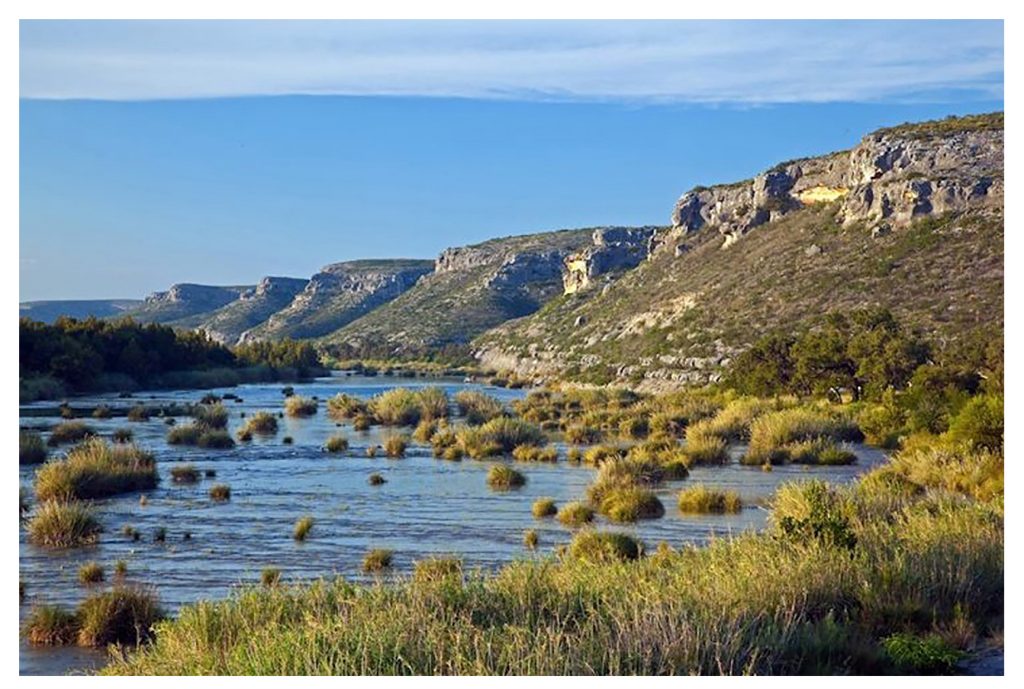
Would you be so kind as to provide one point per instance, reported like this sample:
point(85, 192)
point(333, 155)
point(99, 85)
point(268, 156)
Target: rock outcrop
point(892, 176)
point(339, 294)
point(184, 301)
point(253, 306)
point(614, 250)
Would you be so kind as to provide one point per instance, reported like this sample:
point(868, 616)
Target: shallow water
point(427, 506)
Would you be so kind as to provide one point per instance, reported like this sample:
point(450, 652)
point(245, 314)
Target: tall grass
point(397, 407)
point(96, 469)
point(343, 406)
point(261, 423)
point(296, 406)
point(63, 524)
point(31, 448)
point(123, 615)
point(503, 477)
point(478, 407)
point(69, 432)
point(774, 436)
point(50, 625)
point(701, 499)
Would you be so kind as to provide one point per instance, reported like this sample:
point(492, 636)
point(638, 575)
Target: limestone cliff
point(614, 250)
point(184, 301)
point(253, 307)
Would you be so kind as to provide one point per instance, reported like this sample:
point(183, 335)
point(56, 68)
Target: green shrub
point(575, 514)
point(96, 469)
point(298, 407)
point(377, 560)
point(395, 445)
point(69, 432)
point(123, 615)
point(220, 492)
point(90, 573)
point(502, 477)
point(50, 625)
point(302, 528)
point(31, 449)
point(337, 443)
point(813, 511)
point(700, 499)
point(478, 407)
point(980, 423)
point(928, 655)
point(544, 507)
point(604, 546)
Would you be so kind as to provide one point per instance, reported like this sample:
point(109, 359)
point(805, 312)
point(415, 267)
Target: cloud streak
point(727, 62)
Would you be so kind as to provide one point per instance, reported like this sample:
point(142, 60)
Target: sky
point(219, 152)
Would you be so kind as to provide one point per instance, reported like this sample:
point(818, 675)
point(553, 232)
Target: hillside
point(252, 307)
point(910, 219)
point(48, 311)
point(472, 289)
point(184, 301)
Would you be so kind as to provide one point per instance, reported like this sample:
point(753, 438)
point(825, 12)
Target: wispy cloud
point(680, 61)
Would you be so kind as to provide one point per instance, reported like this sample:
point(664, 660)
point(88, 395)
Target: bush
point(302, 528)
point(96, 469)
point(261, 423)
point(815, 512)
point(377, 560)
point(185, 434)
point(395, 445)
point(124, 615)
point(575, 514)
point(478, 407)
point(298, 407)
point(605, 546)
point(50, 625)
point(955, 467)
point(773, 433)
point(343, 406)
point(211, 416)
point(544, 507)
point(433, 402)
point(216, 440)
point(69, 432)
point(502, 477)
point(90, 573)
point(474, 442)
point(980, 423)
point(337, 443)
point(629, 504)
point(220, 492)
point(185, 473)
point(31, 449)
point(928, 655)
point(700, 499)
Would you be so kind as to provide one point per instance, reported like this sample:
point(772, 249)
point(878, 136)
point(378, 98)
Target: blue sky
point(219, 152)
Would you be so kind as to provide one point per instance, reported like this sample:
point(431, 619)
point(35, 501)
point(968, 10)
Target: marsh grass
point(31, 448)
point(425, 430)
point(102, 412)
point(336, 443)
point(580, 434)
point(362, 422)
point(270, 576)
point(543, 507)
point(377, 560)
point(69, 432)
point(530, 539)
point(211, 416)
point(220, 492)
point(300, 407)
point(122, 435)
point(218, 439)
point(56, 523)
point(395, 445)
point(575, 515)
point(503, 477)
point(477, 407)
point(123, 615)
point(138, 413)
point(397, 407)
point(629, 504)
point(604, 547)
point(120, 570)
point(700, 499)
point(50, 625)
point(184, 434)
point(91, 573)
point(376, 480)
point(184, 473)
point(437, 569)
point(261, 423)
point(774, 436)
point(302, 528)
point(532, 453)
point(96, 469)
point(343, 406)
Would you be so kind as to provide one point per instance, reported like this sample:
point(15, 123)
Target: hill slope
point(910, 219)
point(184, 301)
point(48, 311)
point(252, 307)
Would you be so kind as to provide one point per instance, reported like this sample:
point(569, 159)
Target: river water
point(427, 506)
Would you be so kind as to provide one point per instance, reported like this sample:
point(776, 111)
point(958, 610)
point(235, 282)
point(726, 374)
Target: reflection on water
point(427, 506)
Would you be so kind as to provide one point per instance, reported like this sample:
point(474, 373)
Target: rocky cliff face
point(183, 301)
point(337, 295)
point(253, 306)
point(890, 178)
point(614, 249)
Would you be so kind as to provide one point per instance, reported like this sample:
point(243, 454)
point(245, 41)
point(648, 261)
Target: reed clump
point(378, 560)
point(300, 407)
point(700, 499)
point(96, 469)
point(31, 448)
point(502, 477)
point(336, 444)
point(124, 615)
point(302, 528)
point(544, 507)
point(69, 432)
point(63, 524)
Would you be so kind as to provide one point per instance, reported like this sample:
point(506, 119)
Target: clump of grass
point(478, 407)
point(220, 492)
point(184, 434)
point(138, 413)
point(532, 453)
point(69, 432)
point(425, 430)
point(123, 615)
point(120, 569)
point(371, 451)
point(922, 655)
point(336, 443)
point(433, 403)
point(261, 423)
point(377, 560)
point(216, 440)
point(628, 504)
point(434, 569)
point(343, 406)
point(96, 469)
point(299, 407)
point(575, 515)
point(605, 546)
point(122, 435)
point(633, 428)
point(574, 455)
point(544, 507)
point(102, 412)
point(244, 435)
point(50, 625)
point(184, 473)
point(376, 480)
point(502, 477)
point(270, 576)
point(600, 454)
point(580, 434)
point(302, 528)
point(774, 436)
point(530, 539)
point(700, 499)
point(91, 573)
point(395, 445)
point(31, 449)
point(211, 416)
point(397, 407)
point(362, 422)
